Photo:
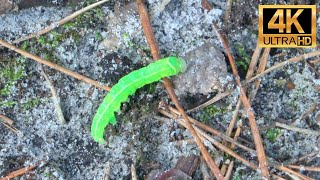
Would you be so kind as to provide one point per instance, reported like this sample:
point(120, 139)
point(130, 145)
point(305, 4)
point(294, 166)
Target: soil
point(107, 43)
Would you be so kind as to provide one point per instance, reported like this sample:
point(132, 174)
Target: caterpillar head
point(179, 64)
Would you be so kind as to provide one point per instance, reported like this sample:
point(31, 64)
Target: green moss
point(211, 111)
point(11, 72)
point(31, 103)
point(7, 103)
point(98, 36)
point(243, 60)
point(273, 134)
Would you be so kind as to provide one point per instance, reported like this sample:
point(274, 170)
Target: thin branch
point(6, 119)
point(254, 128)
point(285, 169)
point(279, 65)
point(55, 66)
point(55, 97)
point(261, 68)
point(11, 128)
point(133, 172)
point(296, 129)
point(211, 101)
point(60, 22)
point(305, 168)
point(167, 83)
point(272, 162)
point(21, 171)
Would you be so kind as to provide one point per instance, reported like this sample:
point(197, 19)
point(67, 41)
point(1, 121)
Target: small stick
point(211, 101)
point(285, 169)
point(187, 141)
point(133, 172)
point(6, 119)
point(106, 172)
point(11, 128)
point(21, 171)
point(55, 66)
point(296, 129)
point(227, 12)
point(261, 68)
point(229, 171)
point(279, 65)
point(305, 168)
point(315, 61)
point(249, 111)
point(55, 97)
point(309, 111)
point(60, 22)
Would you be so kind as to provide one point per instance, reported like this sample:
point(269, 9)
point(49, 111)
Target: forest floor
point(108, 42)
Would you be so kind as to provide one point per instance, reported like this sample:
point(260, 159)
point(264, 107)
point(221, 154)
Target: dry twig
point(296, 129)
point(21, 171)
point(279, 65)
point(305, 168)
point(60, 22)
point(55, 66)
point(211, 101)
point(55, 97)
point(6, 119)
point(167, 83)
point(133, 172)
point(254, 128)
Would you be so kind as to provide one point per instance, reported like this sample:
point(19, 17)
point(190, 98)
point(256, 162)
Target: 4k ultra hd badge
point(287, 25)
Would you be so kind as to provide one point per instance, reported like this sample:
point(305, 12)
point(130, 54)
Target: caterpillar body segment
point(127, 86)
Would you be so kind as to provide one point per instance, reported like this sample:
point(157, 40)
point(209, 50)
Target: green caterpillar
point(127, 86)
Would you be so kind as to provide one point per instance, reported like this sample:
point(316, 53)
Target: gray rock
point(205, 71)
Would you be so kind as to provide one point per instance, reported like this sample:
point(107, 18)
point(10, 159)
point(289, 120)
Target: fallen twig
point(60, 22)
point(167, 83)
point(55, 97)
point(305, 168)
point(249, 111)
point(55, 66)
point(211, 101)
point(296, 129)
point(9, 127)
point(229, 171)
point(261, 68)
point(133, 172)
point(285, 169)
point(21, 171)
point(279, 65)
point(6, 119)
point(106, 172)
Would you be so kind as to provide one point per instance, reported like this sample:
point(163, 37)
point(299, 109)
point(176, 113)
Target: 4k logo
point(287, 25)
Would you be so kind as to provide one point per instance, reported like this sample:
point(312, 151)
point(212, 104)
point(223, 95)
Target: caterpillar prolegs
point(127, 86)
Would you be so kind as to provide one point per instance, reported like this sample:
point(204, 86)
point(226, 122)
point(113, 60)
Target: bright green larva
point(127, 86)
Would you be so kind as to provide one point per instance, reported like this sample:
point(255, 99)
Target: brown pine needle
point(61, 22)
point(55, 66)
point(21, 171)
point(211, 101)
point(279, 65)
point(6, 119)
point(296, 129)
point(252, 122)
point(305, 168)
point(54, 97)
point(144, 16)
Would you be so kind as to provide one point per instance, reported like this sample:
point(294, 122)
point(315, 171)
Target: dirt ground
point(108, 42)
